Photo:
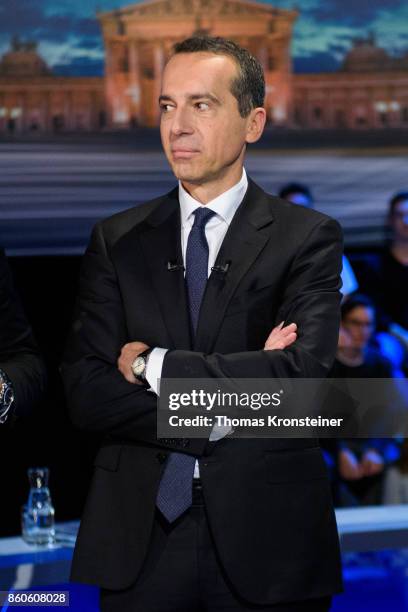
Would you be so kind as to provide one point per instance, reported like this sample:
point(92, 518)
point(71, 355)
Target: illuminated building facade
point(32, 99)
point(138, 40)
point(369, 91)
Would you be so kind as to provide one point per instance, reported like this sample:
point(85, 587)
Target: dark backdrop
point(47, 287)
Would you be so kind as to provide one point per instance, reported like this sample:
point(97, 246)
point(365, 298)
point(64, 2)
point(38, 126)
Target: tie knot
point(202, 215)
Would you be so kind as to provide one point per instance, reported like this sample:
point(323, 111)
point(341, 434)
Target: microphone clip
point(222, 269)
point(173, 266)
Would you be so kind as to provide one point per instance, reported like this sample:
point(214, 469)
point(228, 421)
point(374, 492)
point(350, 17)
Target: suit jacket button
point(161, 457)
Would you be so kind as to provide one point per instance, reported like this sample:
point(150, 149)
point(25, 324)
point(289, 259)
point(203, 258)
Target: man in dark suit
point(22, 371)
point(191, 285)
point(22, 383)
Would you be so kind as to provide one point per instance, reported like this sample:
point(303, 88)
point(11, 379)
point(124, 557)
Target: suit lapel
point(160, 239)
point(245, 239)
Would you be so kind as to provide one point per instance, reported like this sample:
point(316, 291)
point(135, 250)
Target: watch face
point(138, 366)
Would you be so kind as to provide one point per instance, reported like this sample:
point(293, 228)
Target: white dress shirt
point(225, 207)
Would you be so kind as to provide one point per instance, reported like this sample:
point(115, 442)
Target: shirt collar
point(225, 205)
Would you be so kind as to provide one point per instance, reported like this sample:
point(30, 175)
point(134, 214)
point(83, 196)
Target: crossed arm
point(101, 399)
point(280, 338)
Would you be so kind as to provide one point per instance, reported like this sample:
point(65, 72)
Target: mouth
point(183, 153)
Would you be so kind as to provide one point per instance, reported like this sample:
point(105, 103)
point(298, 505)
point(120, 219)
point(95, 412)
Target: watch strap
point(6, 395)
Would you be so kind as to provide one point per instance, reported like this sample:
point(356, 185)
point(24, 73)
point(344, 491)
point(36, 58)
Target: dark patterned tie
point(175, 490)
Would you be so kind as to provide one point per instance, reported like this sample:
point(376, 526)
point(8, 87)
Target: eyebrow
point(193, 97)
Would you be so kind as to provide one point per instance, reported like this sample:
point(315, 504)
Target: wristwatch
point(6, 396)
point(139, 365)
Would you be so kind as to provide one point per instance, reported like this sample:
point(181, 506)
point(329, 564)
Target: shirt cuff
point(154, 368)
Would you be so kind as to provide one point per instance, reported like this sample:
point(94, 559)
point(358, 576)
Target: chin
point(186, 174)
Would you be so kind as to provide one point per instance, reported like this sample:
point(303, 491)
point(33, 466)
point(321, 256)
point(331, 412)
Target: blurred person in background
point(297, 193)
point(300, 194)
point(396, 479)
point(22, 383)
point(361, 462)
point(384, 277)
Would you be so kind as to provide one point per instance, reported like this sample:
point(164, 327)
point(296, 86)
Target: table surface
point(376, 580)
point(15, 551)
point(358, 525)
point(371, 518)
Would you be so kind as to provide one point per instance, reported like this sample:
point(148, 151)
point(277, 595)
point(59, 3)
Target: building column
point(67, 111)
point(108, 58)
point(109, 81)
point(263, 56)
point(45, 111)
point(135, 90)
point(21, 118)
point(2, 113)
point(158, 71)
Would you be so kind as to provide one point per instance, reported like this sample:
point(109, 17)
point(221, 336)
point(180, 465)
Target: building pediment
point(208, 8)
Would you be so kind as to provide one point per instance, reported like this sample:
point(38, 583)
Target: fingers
point(281, 330)
point(351, 474)
point(127, 356)
point(369, 469)
point(349, 467)
point(372, 463)
point(124, 366)
point(281, 337)
point(280, 344)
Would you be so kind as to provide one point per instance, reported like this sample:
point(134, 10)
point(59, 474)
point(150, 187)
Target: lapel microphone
point(222, 269)
point(173, 266)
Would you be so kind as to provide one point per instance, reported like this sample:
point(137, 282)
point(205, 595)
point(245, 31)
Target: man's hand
point(372, 463)
point(281, 337)
point(127, 356)
point(349, 467)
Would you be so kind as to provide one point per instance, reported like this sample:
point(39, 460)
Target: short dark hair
point(398, 197)
point(286, 190)
point(249, 86)
point(356, 300)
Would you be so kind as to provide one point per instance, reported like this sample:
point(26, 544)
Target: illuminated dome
point(23, 60)
point(365, 56)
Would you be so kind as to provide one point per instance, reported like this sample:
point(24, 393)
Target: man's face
point(360, 323)
point(202, 132)
point(399, 220)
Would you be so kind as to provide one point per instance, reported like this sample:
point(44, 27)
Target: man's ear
point(256, 124)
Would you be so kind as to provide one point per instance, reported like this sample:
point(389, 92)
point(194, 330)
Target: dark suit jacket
point(268, 501)
point(19, 356)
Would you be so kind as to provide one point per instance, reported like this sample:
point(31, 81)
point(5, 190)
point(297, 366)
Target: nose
point(181, 122)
